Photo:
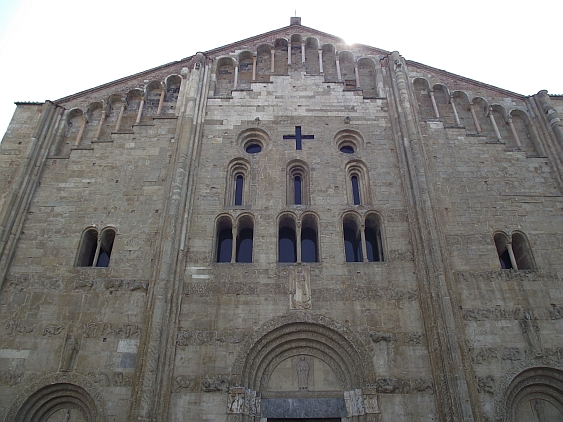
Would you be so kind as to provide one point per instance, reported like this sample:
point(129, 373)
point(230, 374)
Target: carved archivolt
point(39, 400)
point(303, 333)
point(530, 380)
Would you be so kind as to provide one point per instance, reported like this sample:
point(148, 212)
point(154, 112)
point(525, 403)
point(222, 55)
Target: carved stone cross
point(298, 137)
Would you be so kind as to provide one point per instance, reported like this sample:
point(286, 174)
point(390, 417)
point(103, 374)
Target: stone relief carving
point(414, 338)
point(52, 330)
point(398, 255)
point(69, 354)
point(494, 314)
point(133, 285)
point(485, 355)
point(486, 384)
point(556, 312)
point(370, 400)
point(83, 284)
point(504, 276)
point(511, 353)
point(531, 334)
point(405, 338)
point(368, 293)
point(14, 326)
point(299, 287)
point(236, 400)
point(390, 385)
point(354, 403)
point(422, 385)
point(244, 402)
point(198, 337)
point(112, 284)
point(218, 383)
point(115, 379)
point(181, 382)
point(379, 337)
point(10, 377)
point(120, 330)
point(302, 371)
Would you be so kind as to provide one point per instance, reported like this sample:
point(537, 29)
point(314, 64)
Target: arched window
point(374, 244)
point(358, 183)
point(516, 254)
point(224, 239)
point(237, 186)
point(298, 183)
point(105, 247)
point(352, 239)
point(287, 240)
point(355, 189)
point(88, 248)
point(95, 251)
point(239, 182)
point(366, 246)
point(522, 252)
point(309, 239)
point(502, 243)
point(245, 239)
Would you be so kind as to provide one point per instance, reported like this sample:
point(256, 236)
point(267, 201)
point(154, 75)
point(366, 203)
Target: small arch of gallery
point(297, 53)
point(299, 237)
point(457, 109)
point(120, 113)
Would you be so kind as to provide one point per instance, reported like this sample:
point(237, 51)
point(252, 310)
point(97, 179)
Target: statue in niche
point(70, 352)
point(302, 371)
point(531, 333)
point(299, 283)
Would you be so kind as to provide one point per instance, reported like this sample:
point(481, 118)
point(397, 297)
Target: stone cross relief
point(299, 287)
point(298, 137)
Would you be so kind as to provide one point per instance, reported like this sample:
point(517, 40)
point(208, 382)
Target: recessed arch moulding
point(298, 334)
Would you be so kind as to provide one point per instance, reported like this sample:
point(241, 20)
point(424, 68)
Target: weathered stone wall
point(115, 183)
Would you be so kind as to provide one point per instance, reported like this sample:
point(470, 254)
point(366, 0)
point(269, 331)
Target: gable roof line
point(120, 80)
point(306, 28)
point(469, 80)
point(207, 53)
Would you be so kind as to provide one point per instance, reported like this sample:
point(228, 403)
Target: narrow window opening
point(287, 243)
point(347, 149)
point(355, 189)
point(372, 245)
point(522, 252)
point(297, 190)
point(225, 245)
point(502, 245)
point(88, 248)
point(239, 183)
point(309, 245)
point(244, 245)
point(352, 244)
point(106, 246)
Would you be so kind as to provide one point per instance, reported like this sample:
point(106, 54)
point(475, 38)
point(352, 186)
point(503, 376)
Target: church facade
point(284, 228)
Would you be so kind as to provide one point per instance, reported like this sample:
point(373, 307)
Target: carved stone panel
point(299, 287)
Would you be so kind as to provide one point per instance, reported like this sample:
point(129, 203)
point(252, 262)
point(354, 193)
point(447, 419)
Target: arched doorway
point(302, 366)
point(58, 397)
point(535, 395)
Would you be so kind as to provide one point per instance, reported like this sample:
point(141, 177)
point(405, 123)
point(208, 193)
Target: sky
point(51, 49)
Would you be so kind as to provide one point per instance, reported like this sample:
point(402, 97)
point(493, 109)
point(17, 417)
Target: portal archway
point(54, 397)
point(302, 365)
point(535, 394)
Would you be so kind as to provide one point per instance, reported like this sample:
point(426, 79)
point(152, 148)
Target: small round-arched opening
point(347, 149)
